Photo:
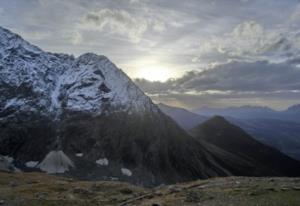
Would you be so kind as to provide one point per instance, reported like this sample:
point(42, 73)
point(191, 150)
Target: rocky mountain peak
point(10, 41)
point(294, 108)
point(54, 83)
point(90, 58)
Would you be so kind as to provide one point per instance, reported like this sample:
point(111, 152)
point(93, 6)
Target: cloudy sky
point(188, 53)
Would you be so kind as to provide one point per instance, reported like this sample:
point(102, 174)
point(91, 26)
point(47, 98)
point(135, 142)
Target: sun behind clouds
point(154, 73)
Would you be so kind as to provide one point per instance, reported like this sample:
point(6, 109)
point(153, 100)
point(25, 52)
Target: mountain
point(294, 108)
point(186, 119)
point(282, 135)
point(253, 112)
point(237, 112)
point(83, 117)
point(264, 159)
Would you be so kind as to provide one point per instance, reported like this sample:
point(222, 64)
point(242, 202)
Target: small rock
point(257, 192)
point(271, 189)
point(81, 191)
point(150, 196)
point(13, 184)
point(96, 187)
point(30, 182)
point(174, 189)
point(126, 191)
point(41, 195)
point(2, 202)
point(193, 196)
point(158, 193)
point(296, 188)
point(284, 189)
point(70, 197)
point(113, 199)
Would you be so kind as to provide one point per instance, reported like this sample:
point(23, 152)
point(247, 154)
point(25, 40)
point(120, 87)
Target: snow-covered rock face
point(36, 81)
point(56, 162)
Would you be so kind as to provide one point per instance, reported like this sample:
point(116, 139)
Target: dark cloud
point(232, 81)
point(236, 76)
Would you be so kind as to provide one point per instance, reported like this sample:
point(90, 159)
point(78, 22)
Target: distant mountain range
point(281, 134)
point(253, 112)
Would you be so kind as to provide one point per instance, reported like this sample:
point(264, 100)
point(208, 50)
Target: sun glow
point(153, 69)
point(154, 73)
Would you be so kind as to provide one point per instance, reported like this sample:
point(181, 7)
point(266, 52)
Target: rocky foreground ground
point(41, 189)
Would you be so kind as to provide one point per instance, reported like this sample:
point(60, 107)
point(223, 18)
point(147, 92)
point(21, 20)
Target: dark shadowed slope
point(231, 138)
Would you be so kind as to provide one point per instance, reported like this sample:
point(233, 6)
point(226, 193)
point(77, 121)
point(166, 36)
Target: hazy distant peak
point(294, 108)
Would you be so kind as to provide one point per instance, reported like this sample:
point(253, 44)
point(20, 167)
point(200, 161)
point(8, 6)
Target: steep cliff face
point(70, 114)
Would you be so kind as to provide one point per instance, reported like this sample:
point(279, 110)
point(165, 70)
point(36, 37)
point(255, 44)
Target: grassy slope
point(40, 189)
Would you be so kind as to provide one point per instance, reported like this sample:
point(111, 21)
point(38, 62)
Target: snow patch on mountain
point(55, 103)
point(14, 102)
point(102, 162)
point(31, 164)
point(56, 162)
point(79, 154)
point(126, 172)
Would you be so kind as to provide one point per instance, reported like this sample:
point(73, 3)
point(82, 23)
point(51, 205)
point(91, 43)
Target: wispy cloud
point(117, 22)
point(250, 41)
